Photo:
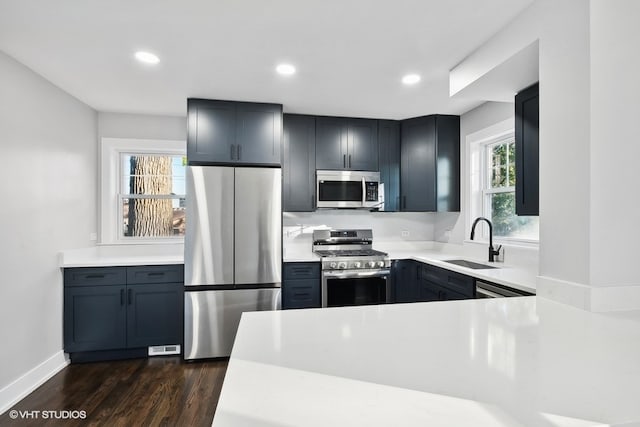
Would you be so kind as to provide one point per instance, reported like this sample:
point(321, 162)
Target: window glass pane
point(512, 164)
point(153, 217)
point(152, 174)
point(506, 223)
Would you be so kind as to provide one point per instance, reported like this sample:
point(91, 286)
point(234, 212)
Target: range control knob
point(371, 264)
point(342, 265)
point(333, 265)
point(356, 265)
point(380, 263)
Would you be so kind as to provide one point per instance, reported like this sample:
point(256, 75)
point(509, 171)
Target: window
point(493, 181)
point(143, 191)
point(152, 195)
point(499, 193)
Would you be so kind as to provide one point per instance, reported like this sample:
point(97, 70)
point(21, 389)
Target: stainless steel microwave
point(347, 189)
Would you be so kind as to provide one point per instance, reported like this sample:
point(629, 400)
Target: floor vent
point(164, 350)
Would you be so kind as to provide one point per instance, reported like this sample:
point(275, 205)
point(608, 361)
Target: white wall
point(589, 64)
point(139, 126)
point(48, 187)
point(615, 142)
point(450, 227)
point(386, 226)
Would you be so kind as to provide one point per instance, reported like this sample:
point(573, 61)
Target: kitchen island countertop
point(502, 362)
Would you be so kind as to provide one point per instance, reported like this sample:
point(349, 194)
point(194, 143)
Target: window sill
point(506, 241)
point(149, 242)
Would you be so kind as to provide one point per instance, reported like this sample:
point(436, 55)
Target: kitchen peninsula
point(510, 361)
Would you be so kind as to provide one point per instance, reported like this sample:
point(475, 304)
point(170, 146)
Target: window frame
point(111, 184)
point(479, 177)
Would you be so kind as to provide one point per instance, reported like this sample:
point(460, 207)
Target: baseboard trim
point(598, 299)
point(27, 383)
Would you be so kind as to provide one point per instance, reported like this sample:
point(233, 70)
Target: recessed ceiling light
point(286, 69)
point(411, 79)
point(147, 57)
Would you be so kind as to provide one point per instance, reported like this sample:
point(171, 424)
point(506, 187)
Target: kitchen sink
point(468, 264)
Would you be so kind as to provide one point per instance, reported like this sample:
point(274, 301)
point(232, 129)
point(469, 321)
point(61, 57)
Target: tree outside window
point(152, 198)
point(499, 193)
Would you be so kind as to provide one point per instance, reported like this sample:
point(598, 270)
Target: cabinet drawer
point(301, 294)
point(459, 283)
point(89, 276)
point(432, 273)
point(301, 270)
point(155, 274)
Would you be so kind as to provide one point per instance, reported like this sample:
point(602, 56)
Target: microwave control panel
point(372, 191)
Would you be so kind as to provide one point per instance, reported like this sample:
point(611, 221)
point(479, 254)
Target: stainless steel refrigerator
point(233, 253)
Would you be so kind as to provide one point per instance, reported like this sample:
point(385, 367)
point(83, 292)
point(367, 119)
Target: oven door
point(355, 287)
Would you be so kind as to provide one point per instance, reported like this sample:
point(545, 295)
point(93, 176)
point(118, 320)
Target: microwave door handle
point(364, 192)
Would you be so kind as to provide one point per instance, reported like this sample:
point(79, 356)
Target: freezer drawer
point(212, 318)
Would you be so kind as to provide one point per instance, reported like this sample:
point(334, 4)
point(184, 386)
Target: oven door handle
point(345, 275)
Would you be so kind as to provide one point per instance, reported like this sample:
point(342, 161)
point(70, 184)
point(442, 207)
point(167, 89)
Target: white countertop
point(434, 254)
point(106, 256)
point(427, 252)
point(496, 362)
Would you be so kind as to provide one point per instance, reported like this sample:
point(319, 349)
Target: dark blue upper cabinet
point(346, 144)
point(527, 118)
point(362, 145)
point(227, 132)
point(430, 164)
point(298, 170)
point(331, 143)
point(389, 164)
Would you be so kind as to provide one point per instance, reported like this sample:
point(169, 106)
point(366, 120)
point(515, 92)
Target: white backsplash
point(403, 226)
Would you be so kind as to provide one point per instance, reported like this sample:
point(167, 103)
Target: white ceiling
point(350, 54)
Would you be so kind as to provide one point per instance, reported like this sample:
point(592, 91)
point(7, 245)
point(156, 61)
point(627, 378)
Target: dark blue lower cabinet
point(107, 318)
point(301, 293)
point(414, 281)
point(95, 318)
point(405, 275)
point(154, 314)
point(301, 285)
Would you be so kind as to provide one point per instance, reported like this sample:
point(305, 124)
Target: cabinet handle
point(239, 152)
point(232, 151)
point(404, 202)
point(344, 161)
point(398, 202)
point(129, 296)
point(121, 296)
point(94, 276)
point(157, 273)
point(349, 161)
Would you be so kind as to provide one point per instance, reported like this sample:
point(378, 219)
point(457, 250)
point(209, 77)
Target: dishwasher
point(492, 290)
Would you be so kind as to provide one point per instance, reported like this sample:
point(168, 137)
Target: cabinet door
point(299, 166)
point(418, 159)
point(406, 280)
point(301, 293)
point(389, 162)
point(527, 122)
point(211, 131)
point(94, 318)
point(448, 163)
point(362, 145)
point(154, 314)
point(258, 133)
point(331, 143)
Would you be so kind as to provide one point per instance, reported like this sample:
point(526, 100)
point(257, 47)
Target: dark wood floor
point(160, 391)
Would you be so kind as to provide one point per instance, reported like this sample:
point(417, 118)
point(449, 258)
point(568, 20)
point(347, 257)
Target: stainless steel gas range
point(352, 272)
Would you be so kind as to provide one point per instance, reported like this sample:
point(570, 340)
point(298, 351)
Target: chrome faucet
point(492, 252)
